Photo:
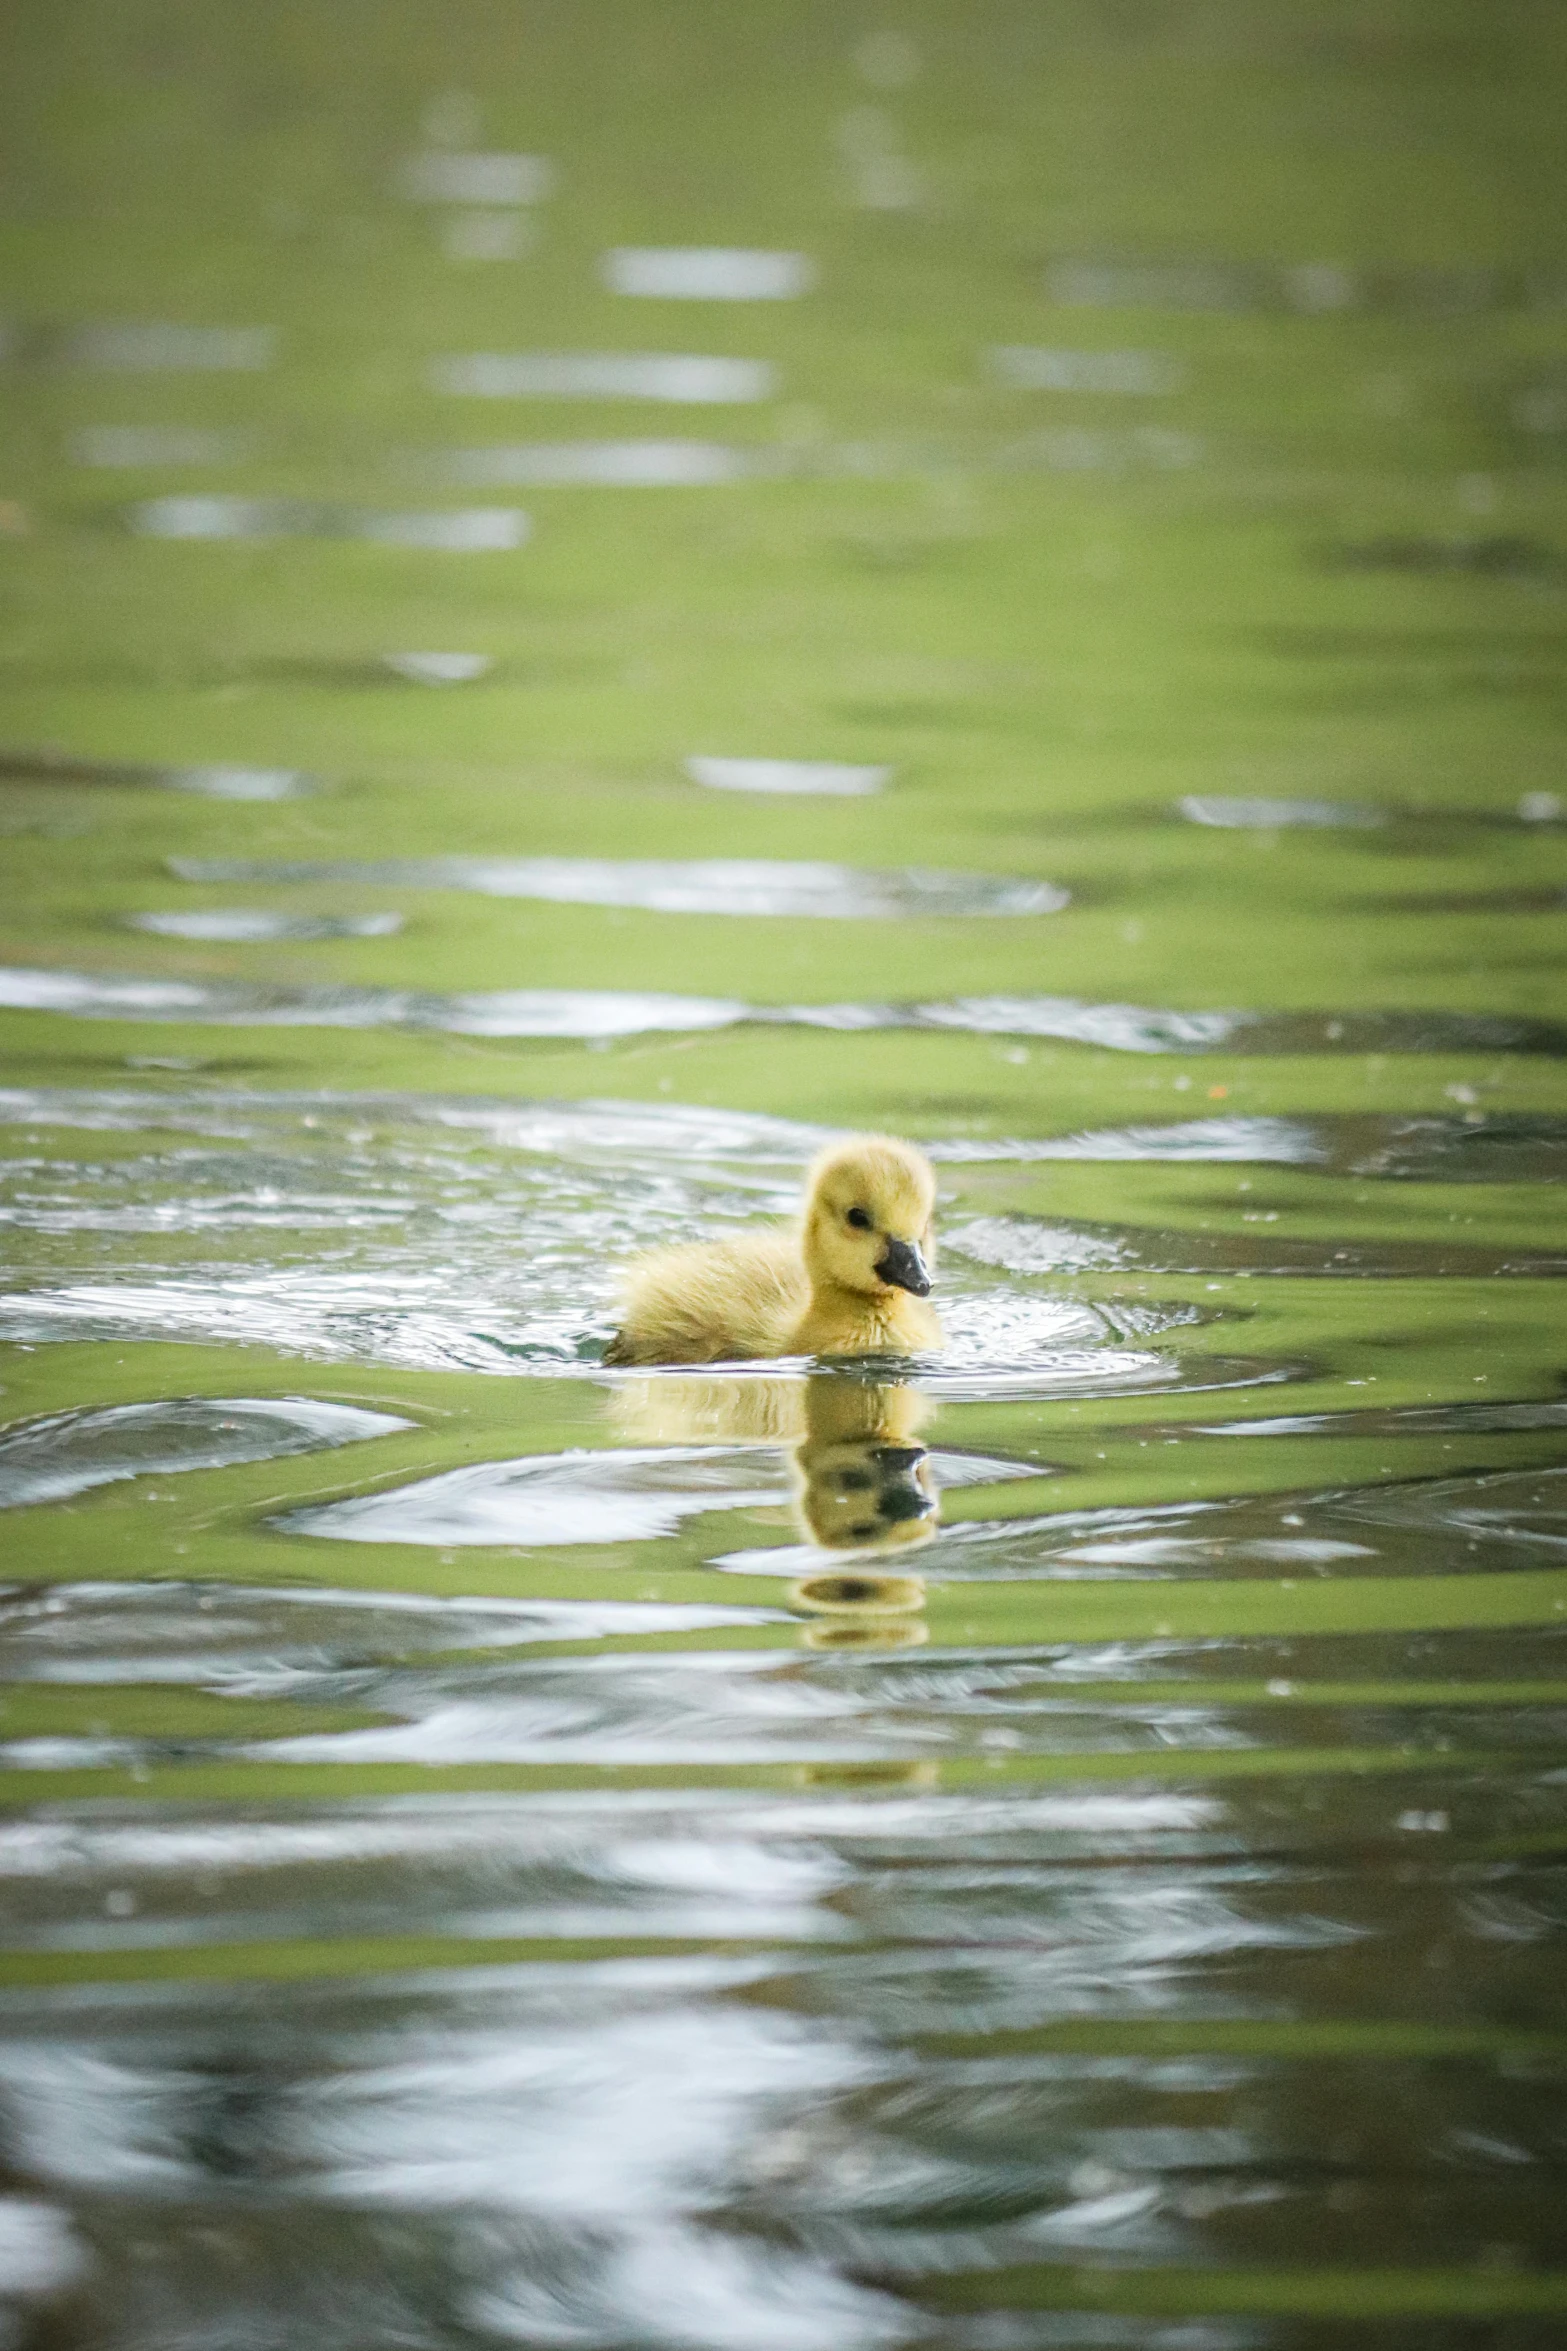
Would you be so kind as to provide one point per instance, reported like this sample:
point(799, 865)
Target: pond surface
point(593, 598)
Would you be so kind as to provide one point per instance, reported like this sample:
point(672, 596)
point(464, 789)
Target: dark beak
point(903, 1267)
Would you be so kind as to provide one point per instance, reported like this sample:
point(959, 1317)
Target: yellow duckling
point(852, 1278)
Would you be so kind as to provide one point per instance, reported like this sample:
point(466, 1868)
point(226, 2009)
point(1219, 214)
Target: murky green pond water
point(591, 596)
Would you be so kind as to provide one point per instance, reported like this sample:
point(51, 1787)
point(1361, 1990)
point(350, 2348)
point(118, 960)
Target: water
point(1051, 1847)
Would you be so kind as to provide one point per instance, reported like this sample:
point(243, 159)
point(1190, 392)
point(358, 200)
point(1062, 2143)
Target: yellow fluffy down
point(834, 1283)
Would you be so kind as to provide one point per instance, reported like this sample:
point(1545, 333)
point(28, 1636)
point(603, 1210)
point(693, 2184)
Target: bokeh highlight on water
point(593, 599)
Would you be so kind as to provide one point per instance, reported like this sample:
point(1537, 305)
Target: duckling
point(852, 1278)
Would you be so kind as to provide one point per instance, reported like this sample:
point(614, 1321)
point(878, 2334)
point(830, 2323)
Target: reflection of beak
point(895, 1504)
point(902, 1266)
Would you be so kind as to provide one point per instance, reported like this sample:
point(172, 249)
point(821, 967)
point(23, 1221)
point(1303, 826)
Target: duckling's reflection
point(861, 1479)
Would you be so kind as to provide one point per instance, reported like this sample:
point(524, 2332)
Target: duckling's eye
point(861, 1220)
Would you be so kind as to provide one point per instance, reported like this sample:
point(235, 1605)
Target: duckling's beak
point(901, 1265)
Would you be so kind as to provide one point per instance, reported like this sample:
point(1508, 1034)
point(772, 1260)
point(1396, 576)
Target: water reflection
point(854, 1477)
point(863, 1483)
point(859, 1479)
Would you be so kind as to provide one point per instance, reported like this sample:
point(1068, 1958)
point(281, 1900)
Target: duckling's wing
point(712, 1301)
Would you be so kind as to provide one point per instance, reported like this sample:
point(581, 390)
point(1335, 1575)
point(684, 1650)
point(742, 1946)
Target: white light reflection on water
point(246, 924)
point(438, 669)
point(455, 176)
point(1309, 288)
point(829, 777)
point(882, 178)
point(707, 273)
point(717, 885)
point(39, 2249)
point(486, 236)
point(232, 783)
point(274, 1639)
point(1266, 816)
point(1030, 368)
point(154, 444)
point(630, 1494)
point(519, 1012)
point(558, 2172)
point(590, 1013)
point(465, 530)
point(616, 465)
point(605, 375)
point(612, 1495)
point(689, 464)
point(207, 783)
point(149, 347)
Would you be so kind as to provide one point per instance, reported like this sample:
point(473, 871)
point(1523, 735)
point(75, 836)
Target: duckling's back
point(712, 1301)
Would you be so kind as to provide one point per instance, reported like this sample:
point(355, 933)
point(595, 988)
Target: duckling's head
point(868, 1207)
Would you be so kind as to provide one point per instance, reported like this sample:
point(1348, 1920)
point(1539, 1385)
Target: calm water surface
point(593, 598)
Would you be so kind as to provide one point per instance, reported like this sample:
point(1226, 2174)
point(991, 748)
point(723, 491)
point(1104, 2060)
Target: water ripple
point(726, 885)
point(49, 1460)
point(599, 1012)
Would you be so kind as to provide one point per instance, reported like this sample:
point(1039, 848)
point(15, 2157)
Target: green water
point(480, 1865)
